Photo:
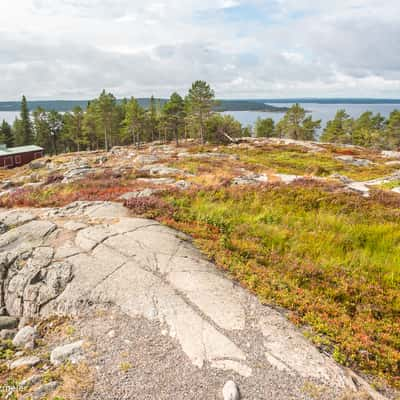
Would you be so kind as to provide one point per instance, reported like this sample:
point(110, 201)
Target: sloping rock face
point(64, 260)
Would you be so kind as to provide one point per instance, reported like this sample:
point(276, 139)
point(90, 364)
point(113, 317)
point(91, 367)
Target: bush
point(151, 206)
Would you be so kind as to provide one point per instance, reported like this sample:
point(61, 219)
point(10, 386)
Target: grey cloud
point(333, 50)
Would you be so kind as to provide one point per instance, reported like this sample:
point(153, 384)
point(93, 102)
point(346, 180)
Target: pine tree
point(74, 131)
point(91, 128)
point(105, 115)
point(134, 121)
point(339, 130)
point(42, 129)
point(6, 135)
point(152, 118)
point(18, 132)
point(26, 125)
point(393, 130)
point(296, 125)
point(201, 101)
point(265, 127)
point(174, 113)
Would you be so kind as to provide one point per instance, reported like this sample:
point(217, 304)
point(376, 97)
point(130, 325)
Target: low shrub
point(332, 258)
point(54, 179)
point(151, 207)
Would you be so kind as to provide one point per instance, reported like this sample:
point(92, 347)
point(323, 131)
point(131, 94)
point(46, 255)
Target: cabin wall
point(15, 160)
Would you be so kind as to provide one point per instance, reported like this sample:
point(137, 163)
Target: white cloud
point(279, 48)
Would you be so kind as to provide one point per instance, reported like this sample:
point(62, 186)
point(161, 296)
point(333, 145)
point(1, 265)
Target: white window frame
point(8, 158)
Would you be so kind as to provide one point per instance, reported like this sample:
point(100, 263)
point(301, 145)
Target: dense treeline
point(107, 122)
point(368, 130)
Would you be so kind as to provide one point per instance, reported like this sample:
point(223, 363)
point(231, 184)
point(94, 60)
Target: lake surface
point(324, 112)
point(9, 116)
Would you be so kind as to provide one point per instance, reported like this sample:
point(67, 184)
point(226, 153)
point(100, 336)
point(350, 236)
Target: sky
point(72, 49)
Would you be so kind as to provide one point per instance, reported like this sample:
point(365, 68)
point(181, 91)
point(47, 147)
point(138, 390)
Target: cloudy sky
point(71, 49)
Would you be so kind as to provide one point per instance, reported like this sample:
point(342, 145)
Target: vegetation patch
point(331, 258)
point(292, 160)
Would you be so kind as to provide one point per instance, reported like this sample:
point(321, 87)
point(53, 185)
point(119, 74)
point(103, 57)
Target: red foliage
point(54, 179)
point(150, 206)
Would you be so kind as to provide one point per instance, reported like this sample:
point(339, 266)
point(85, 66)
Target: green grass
point(391, 185)
point(333, 259)
point(299, 162)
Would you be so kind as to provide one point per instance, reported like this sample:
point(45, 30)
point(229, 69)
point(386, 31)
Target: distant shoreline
point(258, 105)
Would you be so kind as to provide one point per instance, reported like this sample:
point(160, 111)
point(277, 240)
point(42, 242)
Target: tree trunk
point(201, 128)
point(105, 139)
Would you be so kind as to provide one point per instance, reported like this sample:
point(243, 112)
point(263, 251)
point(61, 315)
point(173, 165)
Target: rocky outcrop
point(64, 260)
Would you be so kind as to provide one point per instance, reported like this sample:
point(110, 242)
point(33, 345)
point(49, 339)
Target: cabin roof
point(10, 151)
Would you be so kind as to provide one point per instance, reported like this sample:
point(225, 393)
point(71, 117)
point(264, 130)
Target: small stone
point(183, 185)
point(25, 338)
point(111, 334)
point(358, 162)
point(157, 181)
point(8, 323)
point(139, 194)
point(250, 179)
point(32, 380)
point(3, 228)
point(44, 390)
point(288, 178)
point(37, 164)
point(161, 170)
point(7, 334)
point(72, 352)
point(25, 362)
point(231, 391)
point(146, 159)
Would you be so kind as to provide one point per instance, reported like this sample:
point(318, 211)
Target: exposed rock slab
point(151, 271)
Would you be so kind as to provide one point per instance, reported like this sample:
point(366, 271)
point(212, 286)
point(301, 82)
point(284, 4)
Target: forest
point(107, 122)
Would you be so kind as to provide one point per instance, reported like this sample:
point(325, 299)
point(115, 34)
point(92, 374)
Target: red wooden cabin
point(16, 156)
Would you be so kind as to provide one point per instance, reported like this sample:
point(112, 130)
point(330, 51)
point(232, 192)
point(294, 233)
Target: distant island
point(68, 105)
point(247, 105)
